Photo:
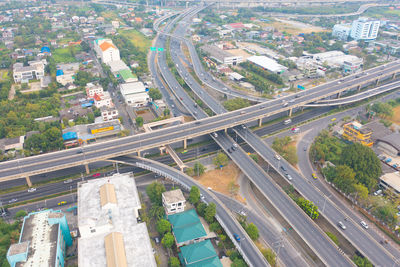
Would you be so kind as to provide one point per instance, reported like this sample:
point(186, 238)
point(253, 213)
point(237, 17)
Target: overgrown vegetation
point(9, 234)
point(286, 148)
point(236, 103)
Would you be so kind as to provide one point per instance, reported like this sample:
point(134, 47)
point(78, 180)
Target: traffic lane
point(286, 253)
point(303, 225)
point(354, 233)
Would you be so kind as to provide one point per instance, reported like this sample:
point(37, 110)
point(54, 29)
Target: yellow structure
point(102, 129)
point(354, 132)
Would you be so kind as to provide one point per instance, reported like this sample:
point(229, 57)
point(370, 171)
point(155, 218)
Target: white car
point(341, 225)
point(32, 189)
point(277, 157)
point(289, 177)
point(364, 224)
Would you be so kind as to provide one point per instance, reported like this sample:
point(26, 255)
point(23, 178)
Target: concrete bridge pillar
point(358, 88)
point(28, 181)
point(394, 76)
point(259, 122)
point(377, 81)
point(338, 95)
point(162, 150)
point(226, 130)
point(87, 168)
point(138, 153)
point(290, 112)
point(184, 143)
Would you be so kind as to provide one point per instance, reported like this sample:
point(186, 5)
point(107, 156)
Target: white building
point(135, 94)
point(110, 234)
point(66, 72)
point(23, 74)
point(103, 100)
point(364, 29)
point(391, 180)
point(106, 50)
point(117, 66)
point(173, 201)
point(268, 64)
point(108, 114)
point(222, 56)
point(341, 31)
point(92, 89)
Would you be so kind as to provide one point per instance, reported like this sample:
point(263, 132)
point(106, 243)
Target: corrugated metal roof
point(107, 194)
point(115, 250)
point(200, 254)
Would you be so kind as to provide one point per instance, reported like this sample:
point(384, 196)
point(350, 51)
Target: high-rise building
point(341, 31)
point(364, 29)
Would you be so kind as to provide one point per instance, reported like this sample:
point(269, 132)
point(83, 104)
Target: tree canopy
point(154, 191)
point(221, 159)
point(194, 195)
point(163, 226)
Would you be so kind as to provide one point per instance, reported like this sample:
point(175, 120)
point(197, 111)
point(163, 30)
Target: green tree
point(361, 261)
point(252, 231)
point(20, 214)
point(333, 238)
point(343, 177)
point(361, 190)
point(85, 46)
point(201, 208)
point(157, 212)
point(168, 240)
point(270, 256)
point(166, 112)
point(238, 263)
point(364, 162)
point(210, 212)
point(139, 121)
point(163, 226)
point(198, 168)
point(155, 94)
point(174, 262)
point(254, 157)
point(194, 195)
point(384, 110)
point(220, 159)
point(154, 191)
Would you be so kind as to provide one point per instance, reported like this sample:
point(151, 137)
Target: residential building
point(268, 64)
point(338, 59)
point(106, 50)
point(135, 94)
point(110, 234)
point(103, 100)
point(355, 132)
point(109, 113)
point(341, 31)
point(93, 89)
point(389, 46)
point(16, 143)
point(173, 201)
point(221, 56)
point(391, 180)
point(44, 237)
point(187, 227)
point(364, 29)
point(199, 254)
point(66, 72)
point(23, 74)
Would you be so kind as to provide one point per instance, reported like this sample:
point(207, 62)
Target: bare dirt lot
point(223, 180)
point(295, 27)
point(396, 115)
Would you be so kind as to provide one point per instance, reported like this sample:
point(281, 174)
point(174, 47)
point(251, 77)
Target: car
point(229, 150)
point(202, 197)
point(215, 135)
point(157, 240)
point(364, 224)
point(291, 101)
point(233, 148)
point(305, 148)
point(62, 203)
point(242, 213)
point(288, 176)
point(314, 176)
point(243, 126)
point(285, 104)
point(197, 122)
point(13, 200)
point(341, 225)
point(333, 119)
point(209, 188)
point(295, 129)
point(237, 237)
point(96, 174)
point(79, 152)
point(32, 189)
point(283, 168)
point(235, 145)
point(195, 105)
point(68, 181)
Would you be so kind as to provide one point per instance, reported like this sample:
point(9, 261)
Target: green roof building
point(201, 254)
point(186, 226)
point(127, 76)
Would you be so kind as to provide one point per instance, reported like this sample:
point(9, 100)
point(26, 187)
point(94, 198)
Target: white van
point(287, 121)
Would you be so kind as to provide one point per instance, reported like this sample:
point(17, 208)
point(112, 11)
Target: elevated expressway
point(364, 242)
point(312, 235)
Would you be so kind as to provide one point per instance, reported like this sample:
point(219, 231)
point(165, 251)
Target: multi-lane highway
point(361, 240)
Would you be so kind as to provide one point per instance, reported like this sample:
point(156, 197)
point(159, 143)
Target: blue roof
point(59, 72)
point(87, 104)
point(186, 226)
point(69, 136)
point(45, 49)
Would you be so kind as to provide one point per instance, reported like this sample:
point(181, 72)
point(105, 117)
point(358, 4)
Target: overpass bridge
point(26, 167)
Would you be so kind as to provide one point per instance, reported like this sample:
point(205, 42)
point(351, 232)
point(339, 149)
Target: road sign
point(160, 49)
point(301, 87)
point(153, 48)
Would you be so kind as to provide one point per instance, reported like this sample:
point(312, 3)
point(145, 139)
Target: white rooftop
point(117, 65)
point(267, 63)
point(392, 179)
point(96, 222)
point(132, 88)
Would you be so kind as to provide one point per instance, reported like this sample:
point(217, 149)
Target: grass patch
point(137, 39)
point(109, 15)
point(66, 55)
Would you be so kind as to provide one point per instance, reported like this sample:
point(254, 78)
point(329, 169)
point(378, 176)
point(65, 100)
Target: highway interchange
point(121, 146)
